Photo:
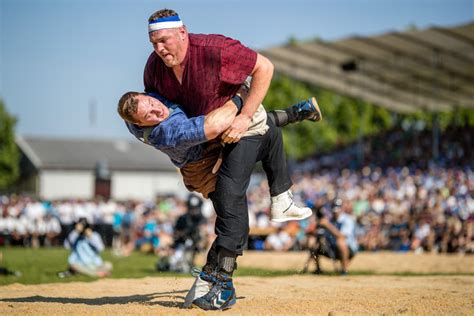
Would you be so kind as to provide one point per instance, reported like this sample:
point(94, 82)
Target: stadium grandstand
point(428, 69)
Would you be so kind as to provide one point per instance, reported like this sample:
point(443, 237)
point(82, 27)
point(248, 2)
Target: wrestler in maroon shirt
point(214, 68)
point(202, 72)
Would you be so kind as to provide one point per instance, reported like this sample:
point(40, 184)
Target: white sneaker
point(283, 209)
point(199, 289)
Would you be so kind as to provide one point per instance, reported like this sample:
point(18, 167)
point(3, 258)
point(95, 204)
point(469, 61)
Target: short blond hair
point(162, 14)
point(128, 105)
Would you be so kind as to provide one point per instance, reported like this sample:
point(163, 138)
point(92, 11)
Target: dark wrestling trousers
point(229, 198)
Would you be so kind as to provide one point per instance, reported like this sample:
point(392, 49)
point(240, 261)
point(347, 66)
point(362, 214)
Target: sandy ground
point(290, 295)
point(377, 262)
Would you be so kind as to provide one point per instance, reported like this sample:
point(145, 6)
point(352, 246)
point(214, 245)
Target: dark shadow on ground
point(146, 299)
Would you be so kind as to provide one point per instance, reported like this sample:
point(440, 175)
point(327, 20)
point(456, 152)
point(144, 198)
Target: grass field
point(42, 265)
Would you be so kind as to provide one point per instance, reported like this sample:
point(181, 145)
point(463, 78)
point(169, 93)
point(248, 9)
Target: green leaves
point(344, 119)
point(9, 154)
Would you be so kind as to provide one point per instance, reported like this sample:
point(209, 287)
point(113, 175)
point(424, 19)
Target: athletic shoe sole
point(293, 218)
point(316, 105)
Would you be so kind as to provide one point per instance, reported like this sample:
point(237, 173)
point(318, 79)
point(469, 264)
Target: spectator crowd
point(400, 199)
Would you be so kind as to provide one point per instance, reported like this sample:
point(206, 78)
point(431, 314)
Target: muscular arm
point(217, 121)
point(179, 131)
point(261, 77)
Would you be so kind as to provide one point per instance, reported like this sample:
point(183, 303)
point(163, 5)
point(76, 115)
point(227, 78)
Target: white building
point(83, 168)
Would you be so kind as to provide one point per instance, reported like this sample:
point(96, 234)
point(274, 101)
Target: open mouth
point(167, 56)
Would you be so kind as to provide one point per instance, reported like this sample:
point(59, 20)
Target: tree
point(9, 154)
point(345, 120)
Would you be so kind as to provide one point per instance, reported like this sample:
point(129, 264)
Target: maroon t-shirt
point(214, 68)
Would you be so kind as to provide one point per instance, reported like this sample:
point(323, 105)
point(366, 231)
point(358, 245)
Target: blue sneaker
point(221, 296)
point(308, 110)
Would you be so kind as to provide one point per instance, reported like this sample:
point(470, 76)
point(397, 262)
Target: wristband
point(238, 103)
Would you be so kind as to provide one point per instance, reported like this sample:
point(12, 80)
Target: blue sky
point(60, 56)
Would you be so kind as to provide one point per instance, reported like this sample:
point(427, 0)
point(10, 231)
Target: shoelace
point(292, 202)
point(195, 272)
point(216, 289)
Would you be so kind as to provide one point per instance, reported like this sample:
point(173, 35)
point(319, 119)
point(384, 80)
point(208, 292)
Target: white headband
point(168, 22)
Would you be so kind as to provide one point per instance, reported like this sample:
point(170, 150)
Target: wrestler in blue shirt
point(163, 125)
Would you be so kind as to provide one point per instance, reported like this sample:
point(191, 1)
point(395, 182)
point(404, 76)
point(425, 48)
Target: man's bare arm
point(261, 77)
point(217, 121)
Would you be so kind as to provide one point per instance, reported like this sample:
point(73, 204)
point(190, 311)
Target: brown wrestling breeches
point(198, 176)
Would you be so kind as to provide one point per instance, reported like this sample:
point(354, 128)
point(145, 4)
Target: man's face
point(150, 111)
point(169, 44)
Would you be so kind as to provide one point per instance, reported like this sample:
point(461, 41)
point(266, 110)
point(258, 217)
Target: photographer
point(335, 235)
point(187, 238)
point(86, 246)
